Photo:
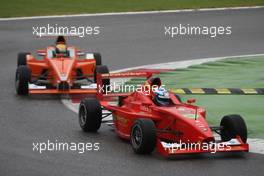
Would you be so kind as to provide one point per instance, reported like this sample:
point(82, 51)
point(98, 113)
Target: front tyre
point(22, 58)
point(90, 115)
point(232, 126)
point(23, 77)
point(143, 136)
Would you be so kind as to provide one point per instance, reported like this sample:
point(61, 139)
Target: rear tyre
point(102, 69)
point(98, 58)
point(143, 136)
point(23, 77)
point(22, 59)
point(232, 126)
point(90, 115)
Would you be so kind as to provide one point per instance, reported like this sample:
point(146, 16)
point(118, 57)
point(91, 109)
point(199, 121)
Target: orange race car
point(61, 69)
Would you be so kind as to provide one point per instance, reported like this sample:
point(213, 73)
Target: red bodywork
point(60, 70)
point(177, 123)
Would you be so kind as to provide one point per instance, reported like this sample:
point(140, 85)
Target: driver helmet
point(61, 45)
point(161, 96)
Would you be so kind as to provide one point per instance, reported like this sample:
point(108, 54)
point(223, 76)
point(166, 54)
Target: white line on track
point(186, 63)
point(256, 145)
point(131, 13)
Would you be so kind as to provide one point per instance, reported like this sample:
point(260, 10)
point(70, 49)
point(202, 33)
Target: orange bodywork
point(59, 70)
point(71, 91)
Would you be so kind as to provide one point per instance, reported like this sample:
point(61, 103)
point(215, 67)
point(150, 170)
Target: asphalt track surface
point(125, 41)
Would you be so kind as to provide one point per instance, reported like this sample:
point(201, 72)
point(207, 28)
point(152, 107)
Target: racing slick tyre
point(23, 77)
point(143, 136)
point(21, 58)
point(101, 69)
point(98, 58)
point(232, 126)
point(90, 115)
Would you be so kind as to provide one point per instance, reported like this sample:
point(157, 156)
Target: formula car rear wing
point(101, 77)
point(93, 89)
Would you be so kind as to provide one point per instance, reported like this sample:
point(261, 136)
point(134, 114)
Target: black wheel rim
point(136, 136)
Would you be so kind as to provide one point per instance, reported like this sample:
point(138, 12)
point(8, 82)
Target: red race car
point(61, 69)
point(159, 119)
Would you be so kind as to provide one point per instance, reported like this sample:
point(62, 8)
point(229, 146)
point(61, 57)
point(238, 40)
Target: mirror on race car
point(89, 56)
point(191, 100)
point(80, 53)
point(41, 52)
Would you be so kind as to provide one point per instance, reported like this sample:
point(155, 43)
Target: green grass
point(230, 73)
point(15, 8)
